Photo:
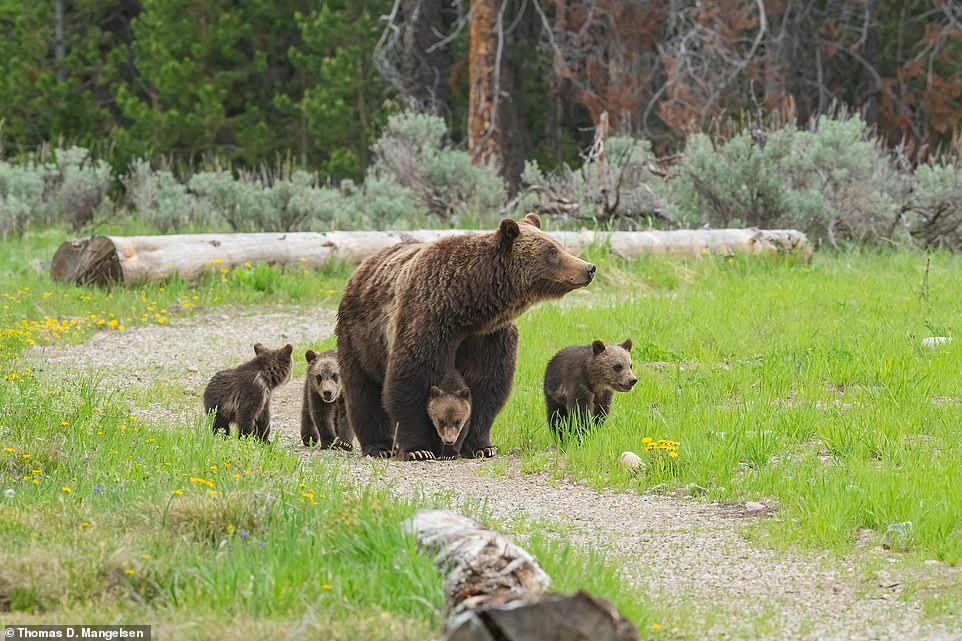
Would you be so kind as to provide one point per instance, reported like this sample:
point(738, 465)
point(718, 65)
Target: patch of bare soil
point(684, 552)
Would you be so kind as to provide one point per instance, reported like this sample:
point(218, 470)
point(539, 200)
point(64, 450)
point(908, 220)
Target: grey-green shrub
point(834, 181)
point(440, 179)
point(934, 207)
point(620, 188)
point(160, 199)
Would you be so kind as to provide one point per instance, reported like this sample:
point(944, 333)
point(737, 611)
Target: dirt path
point(689, 554)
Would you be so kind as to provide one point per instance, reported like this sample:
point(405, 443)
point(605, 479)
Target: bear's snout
point(591, 271)
point(327, 395)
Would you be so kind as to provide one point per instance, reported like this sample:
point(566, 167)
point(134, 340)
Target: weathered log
point(130, 260)
point(494, 589)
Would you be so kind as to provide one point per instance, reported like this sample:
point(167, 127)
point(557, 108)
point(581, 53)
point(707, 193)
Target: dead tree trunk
point(484, 60)
point(495, 589)
point(129, 260)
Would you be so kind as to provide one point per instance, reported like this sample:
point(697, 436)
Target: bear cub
point(242, 395)
point(323, 415)
point(449, 408)
point(580, 381)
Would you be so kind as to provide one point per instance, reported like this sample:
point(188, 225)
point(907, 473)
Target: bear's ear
point(626, 345)
point(259, 349)
point(597, 346)
point(435, 391)
point(532, 219)
point(465, 393)
point(508, 230)
point(288, 349)
point(310, 355)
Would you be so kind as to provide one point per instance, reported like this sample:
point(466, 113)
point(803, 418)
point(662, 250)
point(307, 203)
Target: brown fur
point(414, 311)
point(580, 381)
point(449, 408)
point(323, 416)
point(242, 395)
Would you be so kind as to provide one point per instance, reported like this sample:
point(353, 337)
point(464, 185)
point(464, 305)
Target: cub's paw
point(420, 455)
point(448, 457)
point(377, 453)
point(342, 445)
point(486, 452)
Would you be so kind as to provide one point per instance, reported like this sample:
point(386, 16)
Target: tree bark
point(495, 589)
point(130, 260)
point(484, 134)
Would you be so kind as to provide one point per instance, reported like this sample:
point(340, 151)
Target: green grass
point(806, 384)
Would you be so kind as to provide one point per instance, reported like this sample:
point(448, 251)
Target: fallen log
point(130, 260)
point(495, 589)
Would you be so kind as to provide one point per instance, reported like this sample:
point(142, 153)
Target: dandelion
point(247, 265)
point(673, 454)
point(327, 587)
point(230, 528)
point(130, 572)
point(64, 423)
point(9, 450)
point(201, 481)
point(150, 440)
point(646, 440)
point(67, 490)
point(177, 492)
point(224, 270)
point(25, 456)
point(655, 626)
point(85, 525)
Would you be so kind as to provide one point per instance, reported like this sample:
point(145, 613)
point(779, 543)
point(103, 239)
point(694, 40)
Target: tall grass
point(807, 384)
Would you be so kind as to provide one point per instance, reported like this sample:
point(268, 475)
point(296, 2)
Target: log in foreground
point(495, 589)
point(131, 260)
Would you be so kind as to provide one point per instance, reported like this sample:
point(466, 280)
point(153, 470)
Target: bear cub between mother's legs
point(414, 311)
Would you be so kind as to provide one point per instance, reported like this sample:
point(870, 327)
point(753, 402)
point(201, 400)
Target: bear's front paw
point(486, 452)
point(378, 453)
point(342, 445)
point(448, 457)
point(420, 455)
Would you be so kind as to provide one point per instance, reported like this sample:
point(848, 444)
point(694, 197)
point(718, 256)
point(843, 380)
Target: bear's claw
point(486, 452)
point(420, 455)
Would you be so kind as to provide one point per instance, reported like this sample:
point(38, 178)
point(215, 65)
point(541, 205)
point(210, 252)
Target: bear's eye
point(334, 377)
point(553, 252)
point(318, 378)
point(618, 367)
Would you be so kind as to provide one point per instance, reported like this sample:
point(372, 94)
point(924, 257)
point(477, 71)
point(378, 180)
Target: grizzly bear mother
point(415, 310)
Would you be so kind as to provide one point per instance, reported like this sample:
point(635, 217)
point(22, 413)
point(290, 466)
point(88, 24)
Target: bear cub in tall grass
point(323, 415)
point(242, 395)
point(449, 408)
point(580, 382)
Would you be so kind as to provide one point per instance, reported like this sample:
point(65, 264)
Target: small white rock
point(630, 460)
point(934, 341)
point(9, 492)
point(755, 506)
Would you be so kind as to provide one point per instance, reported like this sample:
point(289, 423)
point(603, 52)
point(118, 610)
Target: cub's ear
point(626, 345)
point(435, 391)
point(465, 393)
point(508, 230)
point(259, 349)
point(310, 355)
point(533, 219)
point(597, 346)
point(288, 349)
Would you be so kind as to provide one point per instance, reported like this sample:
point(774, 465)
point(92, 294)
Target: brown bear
point(414, 311)
point(323, 417)
point(242, 395)
point(449, 408)
point(580, 381)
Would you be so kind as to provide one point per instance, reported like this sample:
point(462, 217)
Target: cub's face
point(449, 412)
point(323, 374)
point(611, 366)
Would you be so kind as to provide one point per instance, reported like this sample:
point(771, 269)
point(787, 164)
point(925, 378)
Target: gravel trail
point(689, 554)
